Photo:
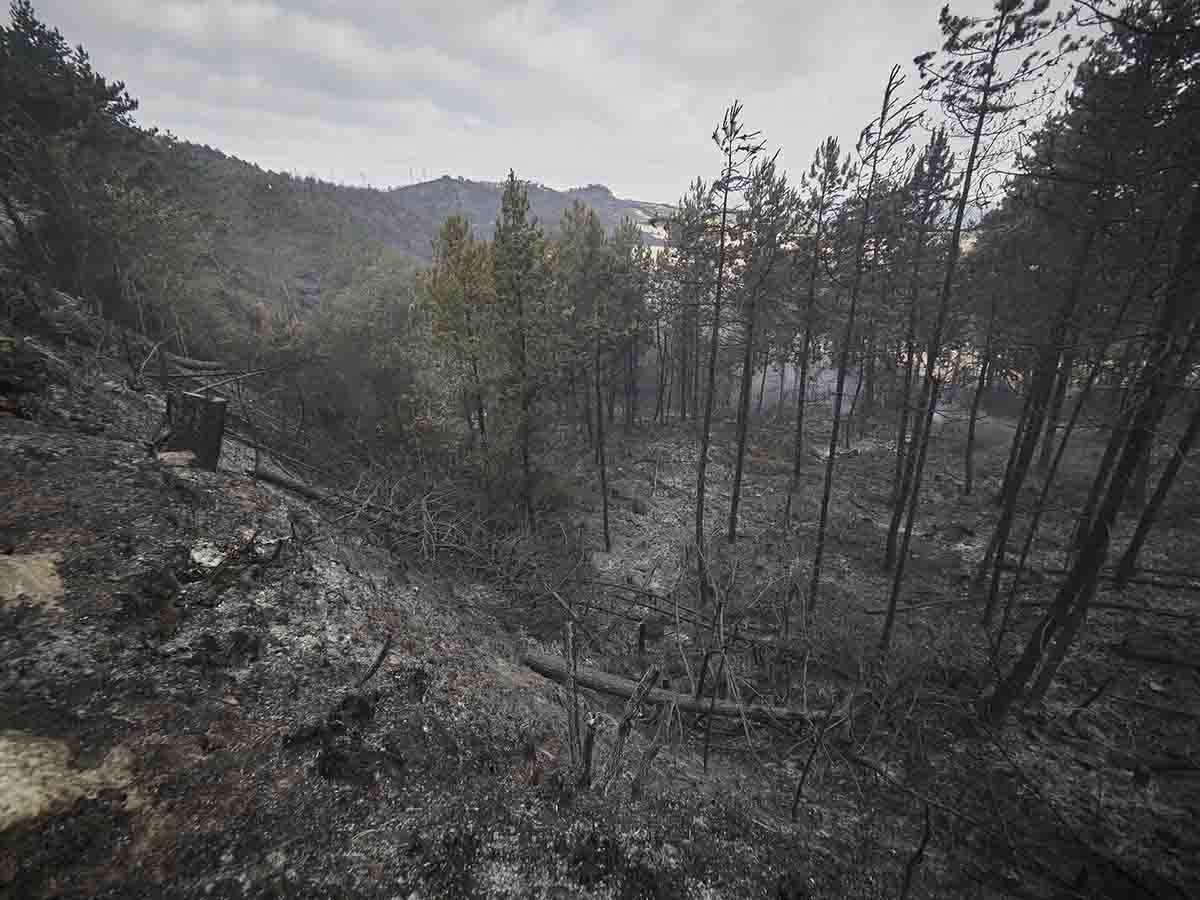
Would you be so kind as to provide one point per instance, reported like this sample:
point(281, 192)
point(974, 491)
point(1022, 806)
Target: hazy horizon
point(362, 94)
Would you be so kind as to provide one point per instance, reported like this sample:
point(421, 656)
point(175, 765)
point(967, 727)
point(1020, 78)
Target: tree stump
point(197, 426)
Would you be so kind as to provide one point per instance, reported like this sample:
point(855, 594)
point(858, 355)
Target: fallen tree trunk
point(555, 668)
point(299, 487)
point(202, 364)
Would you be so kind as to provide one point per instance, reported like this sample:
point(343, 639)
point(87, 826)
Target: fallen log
point(314, 493)
point(555, 668)
point(202, 364)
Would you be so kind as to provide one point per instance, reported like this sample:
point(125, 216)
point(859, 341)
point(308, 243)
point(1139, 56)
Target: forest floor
point(1094, 793)
point(181, 713)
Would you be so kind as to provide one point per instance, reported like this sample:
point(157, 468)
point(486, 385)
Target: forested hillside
point(829, 533)
point(283, 240)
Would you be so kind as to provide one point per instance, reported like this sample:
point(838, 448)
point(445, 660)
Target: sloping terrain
point(181, 714)
point(211, 686)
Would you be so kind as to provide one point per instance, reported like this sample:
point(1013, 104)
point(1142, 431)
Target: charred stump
point(196, 425)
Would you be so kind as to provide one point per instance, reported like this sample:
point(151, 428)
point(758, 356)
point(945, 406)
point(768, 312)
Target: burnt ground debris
point(180, 713)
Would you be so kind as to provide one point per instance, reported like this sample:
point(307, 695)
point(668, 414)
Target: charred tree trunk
point(915, 494)
point(847, 339)
point(744, 415)
point(1128, 563)
point(980, 388)
point(1048, 484)
point(782, 385)
point(903, 444)
point(601, 462)
point(197, 426)
point(762, 384)
point(714, 348)
point(1040, 390)
point(1170, 348)
point(805, 352)
point(850, 420)
point(1055, 411)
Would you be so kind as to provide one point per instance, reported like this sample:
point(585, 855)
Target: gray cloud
point(567, 93)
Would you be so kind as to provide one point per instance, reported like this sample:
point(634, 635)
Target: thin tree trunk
point(934, 350)
point(714, 347)
point(782, 386)
point(600, 460)
point(899, 482)
point(1047, 486)
point(744, 415)
point(469, 418)
point(1128, 564)
point(1171, 346)
point(659, 371)
point(1056, 406)
point(846, 439)
point(683, 375)
point(915, 495)
point(526, 404)
point(805, 353)
point(762, 384)
point(868, 398)
point(587, 413)
point(631, 386)
point(844, 360)
point(1040, 389)
point(980, 388)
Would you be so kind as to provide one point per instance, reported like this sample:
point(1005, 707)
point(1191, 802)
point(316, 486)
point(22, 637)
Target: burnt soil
point(180, 712)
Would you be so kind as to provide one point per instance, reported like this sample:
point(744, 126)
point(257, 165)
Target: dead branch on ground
point(555, 669)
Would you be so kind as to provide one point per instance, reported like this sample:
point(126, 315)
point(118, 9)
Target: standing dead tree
point(827, 179)
point(769, 224)
point(739, 147)
point(877, 142)
point(1171, 343)
point(972, 89)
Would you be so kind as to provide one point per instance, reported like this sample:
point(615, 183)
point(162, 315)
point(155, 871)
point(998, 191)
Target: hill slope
point(284, 240)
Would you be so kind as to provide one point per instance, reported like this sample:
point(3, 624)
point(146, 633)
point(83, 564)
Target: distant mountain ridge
point(284, 240)
point(479, 203)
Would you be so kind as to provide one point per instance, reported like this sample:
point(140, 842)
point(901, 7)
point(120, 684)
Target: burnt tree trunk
point(1055, 412)
point(197, 425)
point(1169, 350)
point(980, 387)
point(1128, 564)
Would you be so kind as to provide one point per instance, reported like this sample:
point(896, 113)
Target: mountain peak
point(595, 191)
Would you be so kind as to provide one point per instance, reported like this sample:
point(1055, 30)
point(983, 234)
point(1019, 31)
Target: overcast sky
point(390, 91)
